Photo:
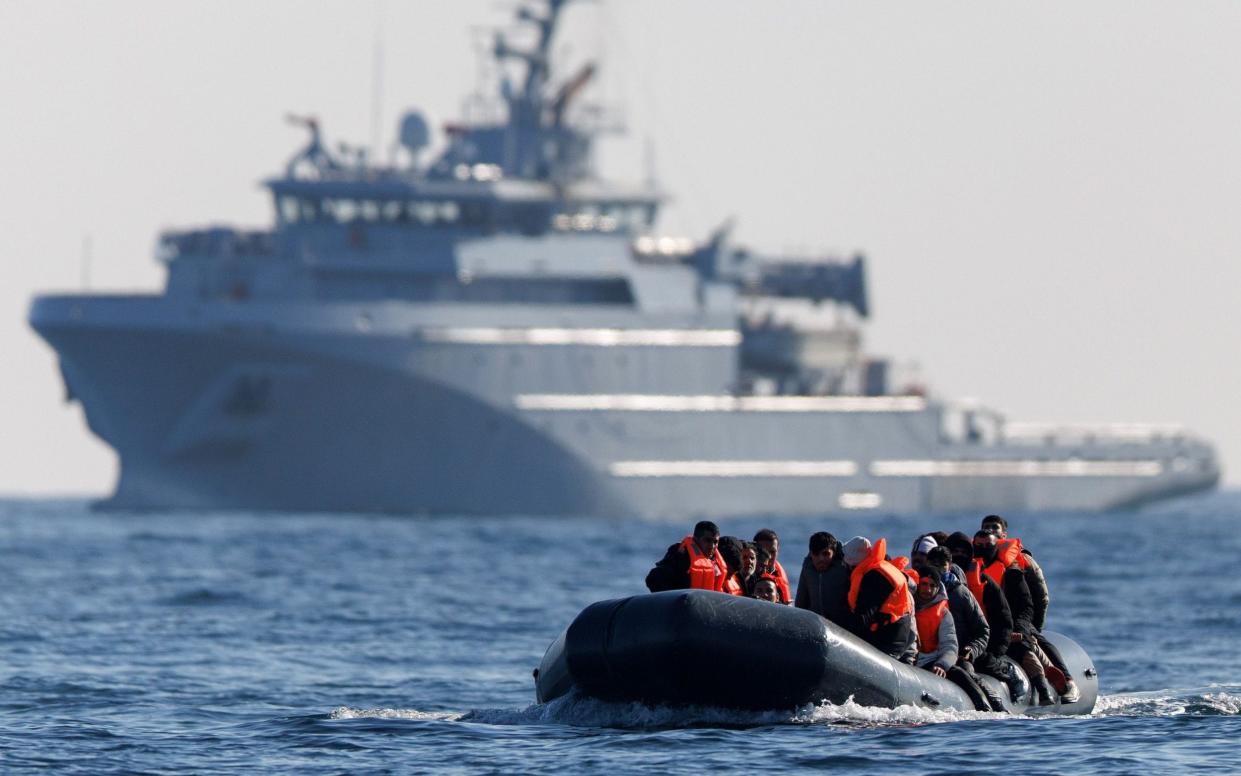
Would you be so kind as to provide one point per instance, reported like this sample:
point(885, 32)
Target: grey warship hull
point(301, 408)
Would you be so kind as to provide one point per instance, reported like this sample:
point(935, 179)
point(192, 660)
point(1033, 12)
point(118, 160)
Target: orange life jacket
point(973, 578)
point(1006, 554)
point(902, 563)
point(732, 585)
point(704, 573)
point(1004, 545)
point(899, 603)
point(782, 581)
point(928, 626)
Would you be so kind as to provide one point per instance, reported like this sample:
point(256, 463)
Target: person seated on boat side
point(937, 638)
point(990, 598)
point(1039, 591)
point(1001, 566)
point(730, 550)
point(823, 585)
point(766, 588)
point(880, 606)
point(973, 632)
point(693, 563)
point(937, 635)
point(769, 541)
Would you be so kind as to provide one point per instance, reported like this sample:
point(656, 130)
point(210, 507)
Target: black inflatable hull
point(693, 647)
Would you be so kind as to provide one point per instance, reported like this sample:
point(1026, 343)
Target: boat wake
point(578, 711)
point(1216, 700)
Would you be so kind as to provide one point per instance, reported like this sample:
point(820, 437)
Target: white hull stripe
point(657, 403)
point(733, 469)
point(1076, 468)
point(706, 338)
point(1071, 468)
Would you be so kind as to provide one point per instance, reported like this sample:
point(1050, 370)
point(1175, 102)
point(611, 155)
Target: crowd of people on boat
point(957, 605)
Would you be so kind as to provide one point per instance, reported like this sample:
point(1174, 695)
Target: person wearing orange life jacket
point(1041, 597)
point(880, 606)
point(695, 562)
point(990, 598)
point(1001, 565)
point(937, 634)
point(1035, 579)
point(769, 541)
point(938, 641)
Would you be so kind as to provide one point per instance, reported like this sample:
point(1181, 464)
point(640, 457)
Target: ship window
point(289, 209)
point(346, 210)
point(370, 210)
point(393, 212)
point(423, 212)
point(310, 209)
point(449, 211)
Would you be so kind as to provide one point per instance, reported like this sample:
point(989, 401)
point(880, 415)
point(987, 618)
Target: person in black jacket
point(1037, 583)
point(1024, 647)
point(973, 632)
point(823, 585)
point(993, 661)
point(672, 571)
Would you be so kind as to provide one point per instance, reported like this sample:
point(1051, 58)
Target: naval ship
point(488, 326)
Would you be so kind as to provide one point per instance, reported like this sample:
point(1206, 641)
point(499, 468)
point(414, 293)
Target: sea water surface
point(321, 644)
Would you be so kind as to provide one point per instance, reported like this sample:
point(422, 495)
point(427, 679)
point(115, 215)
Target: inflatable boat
point(695, 647)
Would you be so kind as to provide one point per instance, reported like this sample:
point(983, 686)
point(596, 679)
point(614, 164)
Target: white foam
point(1222, 700)
point(344, 712)
point(579, 711)
point(853, 713)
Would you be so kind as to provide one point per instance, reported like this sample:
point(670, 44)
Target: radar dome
point(415, 135)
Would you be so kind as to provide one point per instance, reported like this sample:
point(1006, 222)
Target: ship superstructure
point(498, 330)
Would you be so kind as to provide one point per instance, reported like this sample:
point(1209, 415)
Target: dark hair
point(761, 556)
point(821, 541)
point(705, 527)
point(939, 557)
point(923, 571)
point(730, 551)
point(979, 534)
point(766, 535)
point(960, 541)
point(940, 537)
point(996, 519)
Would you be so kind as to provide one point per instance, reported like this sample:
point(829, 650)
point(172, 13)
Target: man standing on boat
point(880, 605)
point(693, 563)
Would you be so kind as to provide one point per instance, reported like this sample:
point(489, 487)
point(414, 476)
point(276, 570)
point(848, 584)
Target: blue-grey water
point(292, 643)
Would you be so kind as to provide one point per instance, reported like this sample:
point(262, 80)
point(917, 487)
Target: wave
point(1212, 701)
point(579, 711)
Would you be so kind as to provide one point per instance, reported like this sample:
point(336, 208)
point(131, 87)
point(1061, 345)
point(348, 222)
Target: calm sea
point(307, 644)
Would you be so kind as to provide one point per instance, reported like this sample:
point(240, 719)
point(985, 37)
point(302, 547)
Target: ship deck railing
point(1032, 433)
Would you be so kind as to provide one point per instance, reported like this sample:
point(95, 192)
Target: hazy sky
point(1047, 191)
